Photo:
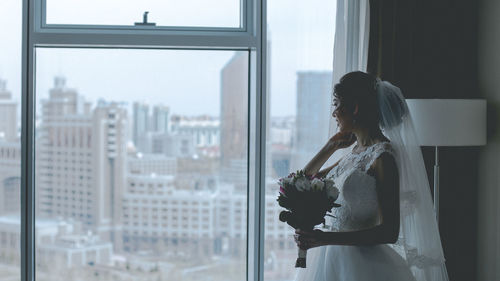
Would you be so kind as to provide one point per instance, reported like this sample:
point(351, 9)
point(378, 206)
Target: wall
point(436, 57)
point(489, 161)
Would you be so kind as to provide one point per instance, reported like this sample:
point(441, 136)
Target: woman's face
point(342, 115)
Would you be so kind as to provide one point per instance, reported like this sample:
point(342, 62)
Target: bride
point(385, 229)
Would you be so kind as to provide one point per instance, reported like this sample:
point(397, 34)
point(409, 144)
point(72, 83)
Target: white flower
point(286, 181)
point(332, 193)
point(329, 183)
point(317, 184)
point(302, 184)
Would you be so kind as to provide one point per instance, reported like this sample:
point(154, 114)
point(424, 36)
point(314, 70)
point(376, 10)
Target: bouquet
point(307, 199)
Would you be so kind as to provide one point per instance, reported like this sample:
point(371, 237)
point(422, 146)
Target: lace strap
point(379, 149)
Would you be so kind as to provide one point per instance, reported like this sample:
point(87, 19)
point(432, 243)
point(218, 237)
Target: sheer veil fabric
point(419, 242)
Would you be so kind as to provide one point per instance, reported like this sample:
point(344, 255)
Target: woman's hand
point(342, 140)
point(307, 239)
point(338, 141)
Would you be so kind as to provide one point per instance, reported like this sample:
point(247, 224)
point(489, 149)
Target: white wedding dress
point(359, 210)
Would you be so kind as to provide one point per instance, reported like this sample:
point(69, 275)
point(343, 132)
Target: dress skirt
point(354, 263)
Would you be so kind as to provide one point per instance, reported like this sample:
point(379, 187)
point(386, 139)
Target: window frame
point(246, 22)
point(146, 37)
point(251, 37)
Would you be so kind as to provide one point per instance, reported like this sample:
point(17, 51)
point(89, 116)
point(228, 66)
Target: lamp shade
point(449, 122)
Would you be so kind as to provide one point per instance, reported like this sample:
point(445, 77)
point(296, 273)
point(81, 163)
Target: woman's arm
point(385, 171)
point(338, 141)
point(326, 170)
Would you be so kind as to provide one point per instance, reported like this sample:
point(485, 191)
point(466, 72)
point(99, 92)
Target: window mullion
point(213, 41)
point(246, 21)
point(259, 185)
point(27, 142)
point(262, 54)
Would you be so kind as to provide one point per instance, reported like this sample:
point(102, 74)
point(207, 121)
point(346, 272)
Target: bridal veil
point(419, 242)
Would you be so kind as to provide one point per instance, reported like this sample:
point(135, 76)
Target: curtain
point(390, 57)
point(391, 35)
point(350, 51)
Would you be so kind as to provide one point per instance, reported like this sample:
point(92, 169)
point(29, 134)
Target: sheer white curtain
point(350, 51)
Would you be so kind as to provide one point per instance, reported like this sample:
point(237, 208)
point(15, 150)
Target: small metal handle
point(145, 20)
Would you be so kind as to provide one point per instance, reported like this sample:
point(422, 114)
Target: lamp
point(448, 122)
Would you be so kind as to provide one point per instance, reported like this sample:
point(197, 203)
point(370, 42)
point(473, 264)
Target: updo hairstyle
point(358, 88)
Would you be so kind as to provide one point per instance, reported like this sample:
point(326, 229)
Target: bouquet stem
point(301, 259)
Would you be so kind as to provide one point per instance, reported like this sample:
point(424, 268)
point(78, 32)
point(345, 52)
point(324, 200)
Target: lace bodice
point(358, 196)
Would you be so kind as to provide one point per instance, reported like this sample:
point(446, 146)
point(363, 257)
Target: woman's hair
point(359, 88)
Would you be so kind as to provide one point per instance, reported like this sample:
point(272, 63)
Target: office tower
point(234, 121)
point(282, 131)
point(80, 161)
point(314, 99)
point(234, 109)
point(8, 114)
point(160, 119)
point(109, 124)
point(10, 153)
point(10, 177)
point(64, 153)
point(141, 126)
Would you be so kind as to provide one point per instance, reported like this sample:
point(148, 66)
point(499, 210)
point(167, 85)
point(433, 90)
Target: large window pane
point(10, 144)
point(200, 13)
point(141, 164)
point(300, 35)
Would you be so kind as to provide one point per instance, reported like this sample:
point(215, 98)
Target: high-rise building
point(8, 114)
point(10, 153)
point(109, 124)
point(64, 153)
point(160, 119)
point(10, 177)
point(314, 99)
point(282, 131)
point(234, 109)
point(141, 126)
point(234, 121)
point(80, 162)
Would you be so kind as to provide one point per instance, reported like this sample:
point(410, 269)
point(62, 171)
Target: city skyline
point(149, 203)
point(135, 202)
point(301, 36)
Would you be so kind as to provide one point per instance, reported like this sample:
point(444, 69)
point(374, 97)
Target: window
point(176, 13)
point(300, 52)
point(113, 91)
point(100, 92)
point(10, 142)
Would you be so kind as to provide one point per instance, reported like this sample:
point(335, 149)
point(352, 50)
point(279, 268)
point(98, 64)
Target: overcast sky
point(301, 35)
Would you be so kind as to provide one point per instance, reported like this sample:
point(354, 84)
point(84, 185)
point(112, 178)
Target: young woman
point(385, 229)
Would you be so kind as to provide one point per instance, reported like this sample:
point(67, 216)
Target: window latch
point(145, 20)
